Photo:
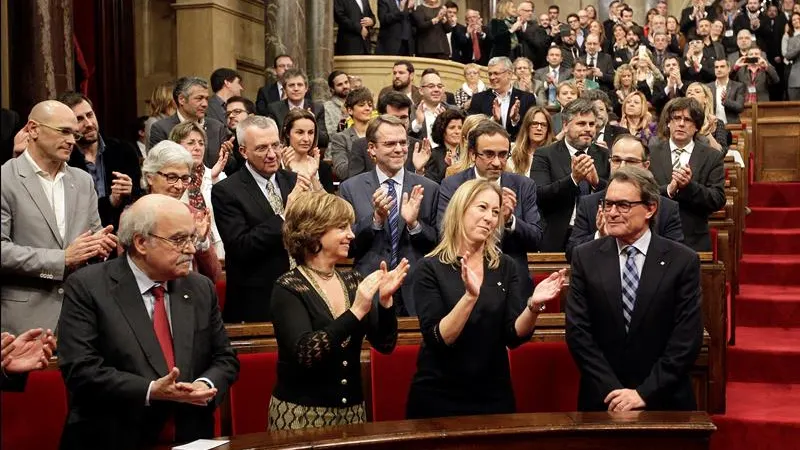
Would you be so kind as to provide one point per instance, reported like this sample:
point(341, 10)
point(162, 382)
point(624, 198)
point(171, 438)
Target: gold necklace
point(321, 293)
point(322, 274)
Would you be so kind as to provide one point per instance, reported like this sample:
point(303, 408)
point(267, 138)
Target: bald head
point(52, 132)
point(49, 109)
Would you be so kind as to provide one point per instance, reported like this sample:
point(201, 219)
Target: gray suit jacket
point(734, 99)
point(371, 246)
point(339, 151)
point(33, 251)
point(792, 53)
point(216, 134)
point(216, 108)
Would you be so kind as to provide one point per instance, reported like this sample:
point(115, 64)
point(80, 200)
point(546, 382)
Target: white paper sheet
point(200, 444)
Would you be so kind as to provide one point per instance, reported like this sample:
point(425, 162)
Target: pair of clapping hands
point(29, 351)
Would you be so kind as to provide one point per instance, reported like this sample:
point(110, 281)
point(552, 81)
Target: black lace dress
point(319, 367)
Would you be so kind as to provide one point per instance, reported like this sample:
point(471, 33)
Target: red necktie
point(164, 336)
point(476, 47)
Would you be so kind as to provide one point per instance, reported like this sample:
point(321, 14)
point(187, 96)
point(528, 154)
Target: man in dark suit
point(295, 83)
point(590, 221)
point(112, 163)
point(754, 21)
point(395, 209)
point(567, 170)
point(727, 95)
point(478, 45)
point(249, 208)
point(633, 319)
point(689, 172)
point(141, 344)
point(21, 354)
point(691, 15)
point(533, 39)
point(274, 92)
point(488, 146)
point(354, 19)
point(601, 65)
point(225, 83)
point(675, 87)
point(395, 36)
point(457, 36)
point(191, 98)
point(504, 103)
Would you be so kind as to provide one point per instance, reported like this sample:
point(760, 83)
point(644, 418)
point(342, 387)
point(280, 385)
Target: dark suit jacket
point(108, 354)
point(733, 102)
point(348, 15)
point(666, 329)
point(689, 26)
point(395, 28)
point(278, 110)
point(216, 134)
point(482, 104)
point(371, 246)
point(13, 382)
point(484, 44)
point(254, 252)
point(557, 194)
point(611, 132)
point(703, 196)
point(460, 42)
point(360, 161)
point(605, 63)
point(118, 156)
point(269, 94)
point(216, 109)
point(9, 127)
point(667, 222)
point(534, 43)
point(527, 234)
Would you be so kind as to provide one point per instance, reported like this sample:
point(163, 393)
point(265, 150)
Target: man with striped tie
point(395, 209)
point(633, 319)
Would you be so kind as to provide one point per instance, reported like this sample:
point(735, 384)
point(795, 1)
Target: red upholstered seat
point(391, 381)
point(33, 420)
point(250, 394)
point(221, 294)
point(544, 377)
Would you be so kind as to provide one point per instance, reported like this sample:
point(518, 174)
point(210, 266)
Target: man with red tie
point(142, 347)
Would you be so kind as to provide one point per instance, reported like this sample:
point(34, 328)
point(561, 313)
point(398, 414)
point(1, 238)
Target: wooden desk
point(575, 431)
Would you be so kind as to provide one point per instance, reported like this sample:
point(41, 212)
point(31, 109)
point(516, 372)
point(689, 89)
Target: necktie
point(630, 282)
point(676, 160)
point(394, 222)
point(161, 326)
point(276, 204)
point(591, 61)
point(476, 47)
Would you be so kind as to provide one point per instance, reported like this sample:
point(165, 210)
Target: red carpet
point(763, 391)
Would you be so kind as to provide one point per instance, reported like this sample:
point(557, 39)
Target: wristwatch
point(534, 309)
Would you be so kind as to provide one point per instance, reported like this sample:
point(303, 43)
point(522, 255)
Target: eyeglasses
point(181, 243)
point(172, 178)
point(63, 131)
point(393, 144)
point(538, 124)
point(623, 206)
point(616, 160)
point(490, 155)
point(432, 86)
point(275, 147)
point(235, 112)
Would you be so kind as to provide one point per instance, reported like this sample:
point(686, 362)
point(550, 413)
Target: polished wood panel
point(776, 140)
point(544, 431)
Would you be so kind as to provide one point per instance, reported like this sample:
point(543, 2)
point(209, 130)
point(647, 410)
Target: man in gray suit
point(50, 223)
point(191, 98)
point(727, 94)
point(395, 209)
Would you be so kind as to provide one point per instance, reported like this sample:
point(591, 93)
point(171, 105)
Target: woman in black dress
point(300, 154)
point(321, 315)
point(472, 312)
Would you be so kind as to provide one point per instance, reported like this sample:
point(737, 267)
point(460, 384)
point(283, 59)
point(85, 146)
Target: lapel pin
point(499, 283)
point(187, 295)
point(662, 263)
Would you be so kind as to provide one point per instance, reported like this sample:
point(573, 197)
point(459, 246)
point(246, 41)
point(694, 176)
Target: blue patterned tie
point(630, 282)
point(394, 222)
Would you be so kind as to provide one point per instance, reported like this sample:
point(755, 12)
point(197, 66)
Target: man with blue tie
point(633, 319)
point(395, 209)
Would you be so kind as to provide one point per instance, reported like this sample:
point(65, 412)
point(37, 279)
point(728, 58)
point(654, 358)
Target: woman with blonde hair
point(473, 311)
point(503, 30)
point(713, 132)
point(624, 85)
point(463, 161)
point(471, 86)
point(161, 105)
point(636, 117)
point(536, 131)
point(321, 315)
point(647, 77)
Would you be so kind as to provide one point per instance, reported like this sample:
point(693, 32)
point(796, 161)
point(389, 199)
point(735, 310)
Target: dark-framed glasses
point(234, 112)
point(63, 131)
point(173, 178)
point(616, 160)
point(490, 155)
point(180, 242)
point(623, 206)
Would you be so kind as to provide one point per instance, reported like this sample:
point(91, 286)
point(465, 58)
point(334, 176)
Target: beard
point(398, 85)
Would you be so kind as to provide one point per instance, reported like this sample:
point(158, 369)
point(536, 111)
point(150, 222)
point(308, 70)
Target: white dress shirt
point(572, 152)
point(719, 108)
point(687, 152)
point(53, 190)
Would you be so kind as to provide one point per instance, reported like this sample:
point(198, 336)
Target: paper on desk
point(200, 444)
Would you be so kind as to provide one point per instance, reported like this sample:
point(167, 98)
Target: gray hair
point(254, 121)
point(745, 32)
point(645, 182)
point(578, 107)
point(165, 153)
point(184, 85)
point(525, 60)
point(501, 60)
point(135, 221)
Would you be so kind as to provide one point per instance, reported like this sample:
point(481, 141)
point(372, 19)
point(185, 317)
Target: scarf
point(510, 21)
point(196, 199)
point(468, 91)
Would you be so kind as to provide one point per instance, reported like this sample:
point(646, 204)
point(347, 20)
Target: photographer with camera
point(756, 74)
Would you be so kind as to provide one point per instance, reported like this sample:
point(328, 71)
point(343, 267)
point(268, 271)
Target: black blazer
point(485, 45)
point(666, 329)
point(347, 16)
point(482, 104)
point(108, 355)
point(605, 63)
point(254, 252)
point(557, 194)
point(460, 42)
point(527, 235)
point(689, 26)
point(534, 43)
point(361, 162)
point(703, 196)
point(269, 94)
point(395, 28)
point(278, 110)
point(668, 221)
point(118, 156)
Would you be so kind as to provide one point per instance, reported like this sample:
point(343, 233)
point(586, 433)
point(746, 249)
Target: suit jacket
point(216, 134)
point(254, 252)
point(268, 94)
point(431, 38)
point(361, 162)
point(703, 196)
point(216, 109)
point(763, 79)
point(460, 42)
point(666, 329)
point(340, 152)
point(118, 156)
point(482, 104)
point(534, 43)
point(667, 222)
point(484, 44)
point(395, 28)
point(108, 354)
point(689, 26)
point(733, 102)
point(605, 63)
point(564, 73)
point(372, 246)
point(278, 110)
point(610, 132)
point(527, 234)
point(347, 15)
point(557, 194)
point(33, 250)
